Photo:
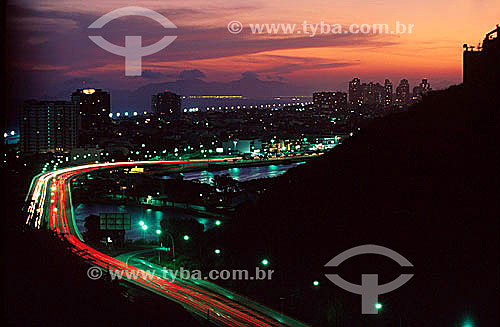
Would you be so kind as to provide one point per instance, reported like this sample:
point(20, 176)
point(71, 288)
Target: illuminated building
point(242, 146)
point(94, 108)
point(371, 94)
point(403, 93)
point(166, 104)
point(355, 95)
point(387, 93)
point(49, 126)
point(420, 90)
point(365, 94)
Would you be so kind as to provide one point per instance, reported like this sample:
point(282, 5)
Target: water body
point(152, 217)
point(240, 174)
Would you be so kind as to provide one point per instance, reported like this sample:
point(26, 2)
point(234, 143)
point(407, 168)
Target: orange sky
point(433, 50)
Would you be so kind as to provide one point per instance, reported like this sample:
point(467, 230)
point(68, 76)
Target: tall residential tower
point(49, 126)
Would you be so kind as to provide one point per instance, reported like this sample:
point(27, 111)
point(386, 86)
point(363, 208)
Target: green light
point(468, 323)
point(186, 237)
point(265, 262)
point(378, 306)
point(315, 283)
point(158, 231)
point(218, 222)
point(144, 227)
point(141, 223)
point(217, 251)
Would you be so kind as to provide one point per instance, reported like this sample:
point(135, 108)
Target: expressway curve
point(49, 204)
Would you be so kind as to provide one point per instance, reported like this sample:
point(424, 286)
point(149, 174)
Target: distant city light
point(141, 223)
point(158, 231)
point(144, 227)
point(265, 262)
point(217, 251)
point(186, 237)
point(315, 283)
point(218, 222)
point(378, 306)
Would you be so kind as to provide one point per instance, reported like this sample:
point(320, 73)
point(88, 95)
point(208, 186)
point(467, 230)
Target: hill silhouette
point(423, 183)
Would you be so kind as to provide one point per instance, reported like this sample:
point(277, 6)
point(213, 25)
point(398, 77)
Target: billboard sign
point(114, 221)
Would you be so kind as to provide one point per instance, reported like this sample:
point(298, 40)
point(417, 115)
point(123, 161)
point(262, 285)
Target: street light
point(144, 228)
point(141, 223)
point(265, 262)
point(217, 251)
point(218, 222)
point(158, 232)
point(378, 305)
point(316, 283)
point(173, 247)
point(186, 237)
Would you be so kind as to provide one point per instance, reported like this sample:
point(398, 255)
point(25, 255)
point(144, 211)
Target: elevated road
point(49, 204)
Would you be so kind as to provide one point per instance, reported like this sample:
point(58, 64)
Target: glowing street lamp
point(144, 228)
point(378, 305)
point(316, 283)
point(217, 251)
point(186, 237)
point(158, 232)
point(468, 323)
point(218, 223)
point(265, 262)
point(141, 223)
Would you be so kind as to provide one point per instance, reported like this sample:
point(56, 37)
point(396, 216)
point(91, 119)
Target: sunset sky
point(48, 44)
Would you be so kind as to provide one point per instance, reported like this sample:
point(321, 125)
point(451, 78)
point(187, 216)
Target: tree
point(227, 184)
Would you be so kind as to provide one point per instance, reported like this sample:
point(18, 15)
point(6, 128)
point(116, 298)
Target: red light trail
point(196, 299)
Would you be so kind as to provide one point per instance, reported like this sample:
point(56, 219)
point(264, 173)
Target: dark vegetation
point(423, 183)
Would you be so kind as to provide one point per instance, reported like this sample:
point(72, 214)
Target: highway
point(49, 205)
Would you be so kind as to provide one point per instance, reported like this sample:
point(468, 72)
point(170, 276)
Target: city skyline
point(57, 52)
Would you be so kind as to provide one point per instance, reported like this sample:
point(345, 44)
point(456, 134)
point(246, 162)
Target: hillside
point(423, 183)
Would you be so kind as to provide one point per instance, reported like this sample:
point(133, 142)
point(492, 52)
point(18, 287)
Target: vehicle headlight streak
point(50, 204)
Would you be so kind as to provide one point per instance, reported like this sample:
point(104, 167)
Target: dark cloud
point(190, 74)
point(249, 75)
point(149, 74)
